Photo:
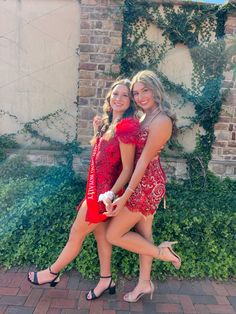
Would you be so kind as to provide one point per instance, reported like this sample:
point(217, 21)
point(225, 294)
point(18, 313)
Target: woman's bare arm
point(159, 133)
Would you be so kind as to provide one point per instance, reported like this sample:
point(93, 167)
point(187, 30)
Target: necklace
point(153, 113)
point(149, 118)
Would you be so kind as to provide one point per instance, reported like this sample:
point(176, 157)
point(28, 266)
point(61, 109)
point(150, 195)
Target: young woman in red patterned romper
point(111, 166)
point(147, 185)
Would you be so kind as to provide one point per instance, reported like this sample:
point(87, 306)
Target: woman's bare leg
point(119, 234)
point(144, 228)
point(79, 230)
point(105, 253)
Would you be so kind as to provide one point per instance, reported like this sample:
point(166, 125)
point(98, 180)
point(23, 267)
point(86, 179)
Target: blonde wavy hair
point(107, 110)
point(152, 82)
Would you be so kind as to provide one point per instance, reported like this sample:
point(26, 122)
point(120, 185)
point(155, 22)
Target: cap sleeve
point(127, 130)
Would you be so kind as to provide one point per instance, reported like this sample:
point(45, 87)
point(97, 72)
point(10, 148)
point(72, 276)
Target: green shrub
point(36, 213)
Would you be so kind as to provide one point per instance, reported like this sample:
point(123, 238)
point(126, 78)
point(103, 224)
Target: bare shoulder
point(161, 121)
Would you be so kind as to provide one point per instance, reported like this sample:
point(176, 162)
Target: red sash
point(93, 215)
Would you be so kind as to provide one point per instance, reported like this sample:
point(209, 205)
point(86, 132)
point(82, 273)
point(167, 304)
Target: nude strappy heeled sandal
point(168, 245)
point(128, 296)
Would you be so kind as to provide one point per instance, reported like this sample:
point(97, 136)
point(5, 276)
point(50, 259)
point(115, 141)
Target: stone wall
point(101, 31)
point(100, 38)
point(223, 161)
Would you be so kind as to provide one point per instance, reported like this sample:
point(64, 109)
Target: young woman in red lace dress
point(111, 167)
point(146, 188)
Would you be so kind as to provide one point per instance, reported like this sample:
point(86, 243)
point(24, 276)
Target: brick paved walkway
point(205, 297)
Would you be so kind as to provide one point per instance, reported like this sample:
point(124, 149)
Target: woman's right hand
point(117, 205)
point(97, 121)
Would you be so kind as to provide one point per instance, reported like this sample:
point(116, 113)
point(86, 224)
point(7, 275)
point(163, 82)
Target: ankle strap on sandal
point(144, 280)
point(51, 272)
point(105, 276)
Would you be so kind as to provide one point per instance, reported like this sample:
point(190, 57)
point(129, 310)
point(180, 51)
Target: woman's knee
point(111, 236)
point(78, 232)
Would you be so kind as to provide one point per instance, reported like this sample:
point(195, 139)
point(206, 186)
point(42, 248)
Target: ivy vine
point(34, 130)
point(200, 27)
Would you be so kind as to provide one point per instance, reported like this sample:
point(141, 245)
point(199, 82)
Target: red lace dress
point(106, 166)
point(151, 188)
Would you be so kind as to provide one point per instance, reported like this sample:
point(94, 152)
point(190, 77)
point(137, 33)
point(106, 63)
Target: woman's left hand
point(118, 204)
point(108, 204)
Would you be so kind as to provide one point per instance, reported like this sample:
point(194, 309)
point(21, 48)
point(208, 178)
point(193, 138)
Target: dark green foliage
point(38, 208)
point(6, 141)
point(203, 220)
point(36, 212)
point(200, 27)
point(37, 204)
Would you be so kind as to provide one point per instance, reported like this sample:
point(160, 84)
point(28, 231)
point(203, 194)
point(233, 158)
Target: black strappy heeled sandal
point(52, 283)
point(112, 290)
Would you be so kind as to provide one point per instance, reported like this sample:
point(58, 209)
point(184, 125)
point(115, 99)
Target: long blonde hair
point(151, 81)
point(108, 112)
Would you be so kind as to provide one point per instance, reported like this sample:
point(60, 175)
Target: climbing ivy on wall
point(200, 28)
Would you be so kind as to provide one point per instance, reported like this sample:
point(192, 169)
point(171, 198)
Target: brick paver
point(18, 296)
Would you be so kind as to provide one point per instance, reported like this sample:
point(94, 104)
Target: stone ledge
point(223, 169)
point(174, 167)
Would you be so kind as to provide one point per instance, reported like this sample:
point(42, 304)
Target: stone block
point(84, 39)
point(96, 40)
point(108, 24)
point(84, 57)
point(99, 16)
point(227, 84)
point(232, 143)
point(118, 26)
point(98, 24)
point(87, 75)
point(106, 40)
point(181, 170)
point(87, 113)
point(218, 169)
point(101, 58)
point(115, 34)
point(101, 33)
point(88, 48)
point(105, 2)
point(220, 144)
point(231, 21)
point(101, 67)
point(87, 9)
point(229, 170)
point(229, 151)
point(84, 16)
point(106, 49)
point(116, 41)
point(231, 127)
point(86, 83)
point(115, 68)
point(90, 2)
point(83, 124)
point(221, 126)
point(231, 99)
point(87, 91)
point(222, 135)
point(88, 66)
point(85, 25)
point(85, 32)
point(224, 119)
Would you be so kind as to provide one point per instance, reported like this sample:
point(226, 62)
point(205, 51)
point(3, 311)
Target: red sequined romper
point(151, 188)
point(106, 166)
